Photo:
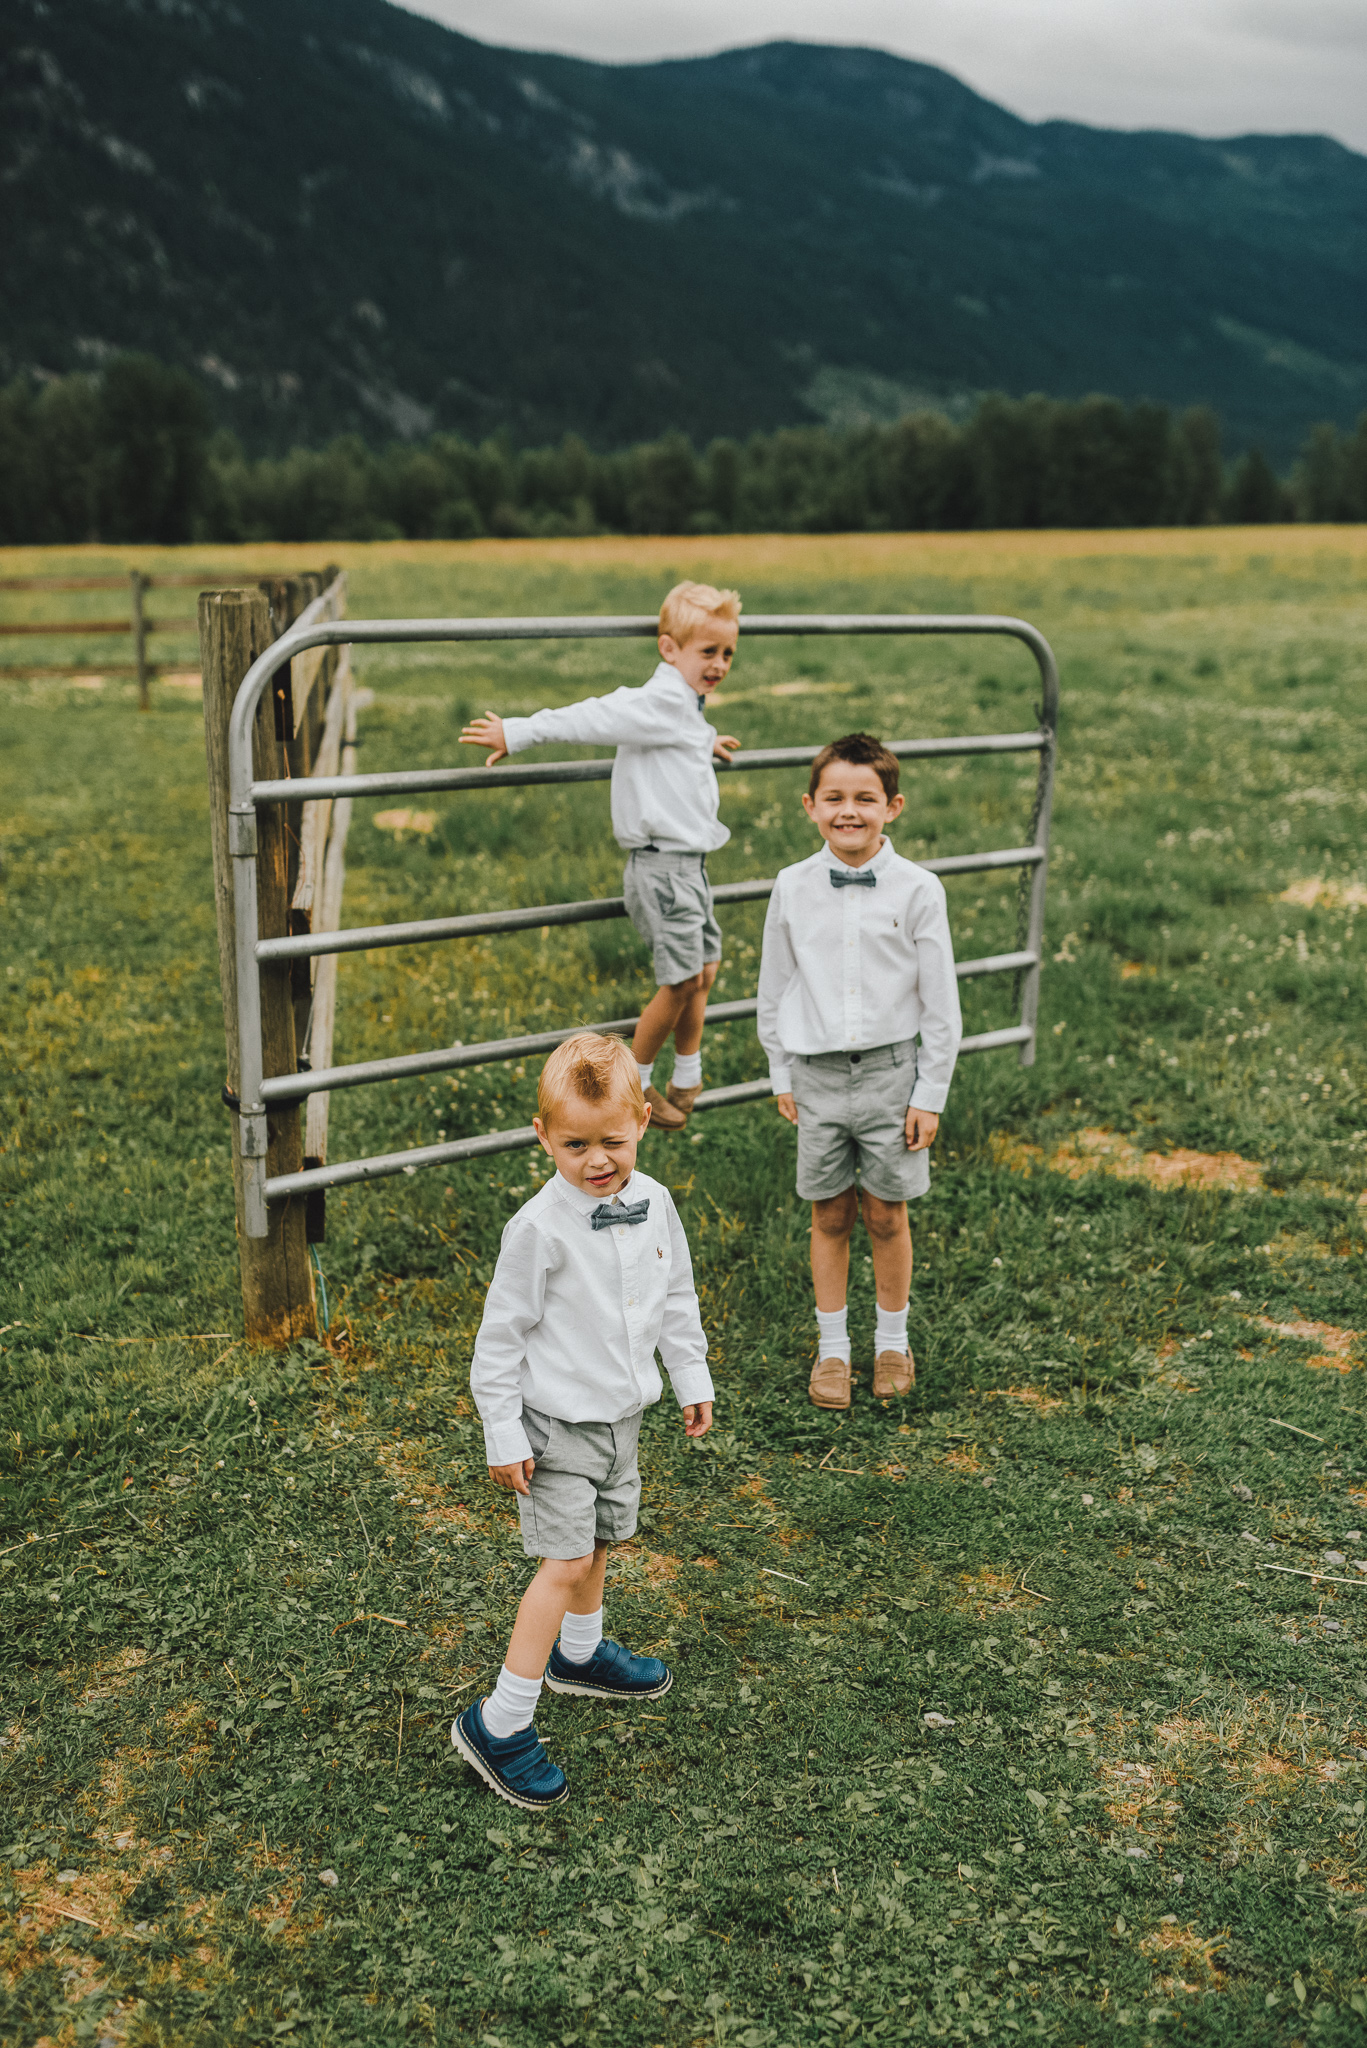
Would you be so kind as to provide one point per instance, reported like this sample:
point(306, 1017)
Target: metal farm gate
point(261, 1093)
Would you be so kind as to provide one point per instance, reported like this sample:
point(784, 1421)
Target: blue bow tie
point(608, 1213)
point(852, 878)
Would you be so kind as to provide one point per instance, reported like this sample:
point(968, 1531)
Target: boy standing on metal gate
point(665, 804)
point(857, 963)
point(593, 1273)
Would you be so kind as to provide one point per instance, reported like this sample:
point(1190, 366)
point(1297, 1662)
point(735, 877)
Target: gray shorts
point(851, 1123)
point(586, 1488)
point(669, 900)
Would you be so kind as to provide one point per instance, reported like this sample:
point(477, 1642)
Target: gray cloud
point(1213, 67)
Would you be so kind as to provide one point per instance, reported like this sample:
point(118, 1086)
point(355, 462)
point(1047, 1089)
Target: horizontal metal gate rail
point(257, 1090)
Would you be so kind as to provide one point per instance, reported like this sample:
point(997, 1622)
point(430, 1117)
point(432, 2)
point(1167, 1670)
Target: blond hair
point(689, 606)
point(594, 1068)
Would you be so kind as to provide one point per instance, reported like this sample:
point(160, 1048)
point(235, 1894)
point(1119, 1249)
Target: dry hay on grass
point(963, 1461)
point(638, 1573)
point(1102, 1151)
point(1265, 1754)
point(1315, 890)
point(1338, 1345)
point(1140, 1798)
point(1034, 1400)
point(399, 822)
point(96, 1898)
point(439, 1511)
point(987, 1592)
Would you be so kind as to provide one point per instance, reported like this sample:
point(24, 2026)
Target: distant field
point(1138, 1318)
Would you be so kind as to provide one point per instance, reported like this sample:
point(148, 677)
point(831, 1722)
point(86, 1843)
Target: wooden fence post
point(137, 587)
point(277, 1276)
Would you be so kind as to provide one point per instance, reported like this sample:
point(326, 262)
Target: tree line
point(131, 455)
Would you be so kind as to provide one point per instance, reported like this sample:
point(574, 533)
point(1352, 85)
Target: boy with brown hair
point(857, 965)
point(593, 1273)
point(665, 805)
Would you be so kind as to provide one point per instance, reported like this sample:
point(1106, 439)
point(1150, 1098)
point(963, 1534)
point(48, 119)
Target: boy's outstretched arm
point(632, 716)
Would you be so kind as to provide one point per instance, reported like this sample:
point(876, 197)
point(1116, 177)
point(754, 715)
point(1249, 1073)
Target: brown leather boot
point(683, 1098)
point(663, 1115)
point(829, 1386)
point(894, 1372)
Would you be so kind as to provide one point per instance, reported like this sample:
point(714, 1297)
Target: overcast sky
point(1212, 67)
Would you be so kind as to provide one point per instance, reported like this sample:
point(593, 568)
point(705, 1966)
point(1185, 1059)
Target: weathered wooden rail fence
point(138, 623)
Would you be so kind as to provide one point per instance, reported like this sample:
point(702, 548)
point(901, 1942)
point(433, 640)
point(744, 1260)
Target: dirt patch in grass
point(963, 1461)
point(1186, 1956)
point(1102, 1151)
point(1338, 1345)
point(1131, 970)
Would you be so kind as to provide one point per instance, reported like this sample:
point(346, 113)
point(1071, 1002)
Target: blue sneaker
point(514, 1766)
point(611, 1673)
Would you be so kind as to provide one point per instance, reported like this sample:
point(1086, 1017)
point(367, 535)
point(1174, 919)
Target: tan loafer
point(894, 1372)
point(663, 1115)
point(829, 1386)
point(683, 1098)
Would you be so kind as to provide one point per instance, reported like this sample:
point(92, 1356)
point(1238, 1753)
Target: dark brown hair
point(860, 750)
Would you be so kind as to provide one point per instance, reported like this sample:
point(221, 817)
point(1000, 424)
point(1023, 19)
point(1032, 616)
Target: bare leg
point(657, 1020)
point(562, 1585)
point(890, 1238)
point(832, 1223)
point(688, 1030)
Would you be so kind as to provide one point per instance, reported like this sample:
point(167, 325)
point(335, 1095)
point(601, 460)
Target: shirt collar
point(882, 859)
point(585, 1203)
point(667, 673)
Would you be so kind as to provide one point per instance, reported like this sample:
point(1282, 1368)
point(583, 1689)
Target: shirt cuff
point(517, 735)
point(931, 1095)
point(506, 1444)
point(780, 1079)
point(691, 1384)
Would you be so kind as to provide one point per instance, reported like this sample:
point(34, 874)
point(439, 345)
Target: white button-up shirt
point(573, 1316)
point(664, 786)
point(844, 970)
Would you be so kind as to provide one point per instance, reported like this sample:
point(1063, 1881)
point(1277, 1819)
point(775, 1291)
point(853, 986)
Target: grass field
point(992, 1719)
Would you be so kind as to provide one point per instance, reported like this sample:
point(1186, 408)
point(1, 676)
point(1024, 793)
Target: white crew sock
point(891, 1333)
point(688, 1069)
point(645, 1074)
point(512, 1704)
point(580, 1635)
point(834, 1331)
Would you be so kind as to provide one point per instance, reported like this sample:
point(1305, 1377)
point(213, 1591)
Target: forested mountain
point(345, 217)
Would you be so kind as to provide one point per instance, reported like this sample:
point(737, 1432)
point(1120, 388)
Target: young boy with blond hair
point(665, 805)
point(592, 1275)
point(857, 965)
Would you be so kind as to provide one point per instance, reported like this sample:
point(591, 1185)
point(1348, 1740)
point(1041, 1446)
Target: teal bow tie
point(608, 1213)
point(852, 878)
